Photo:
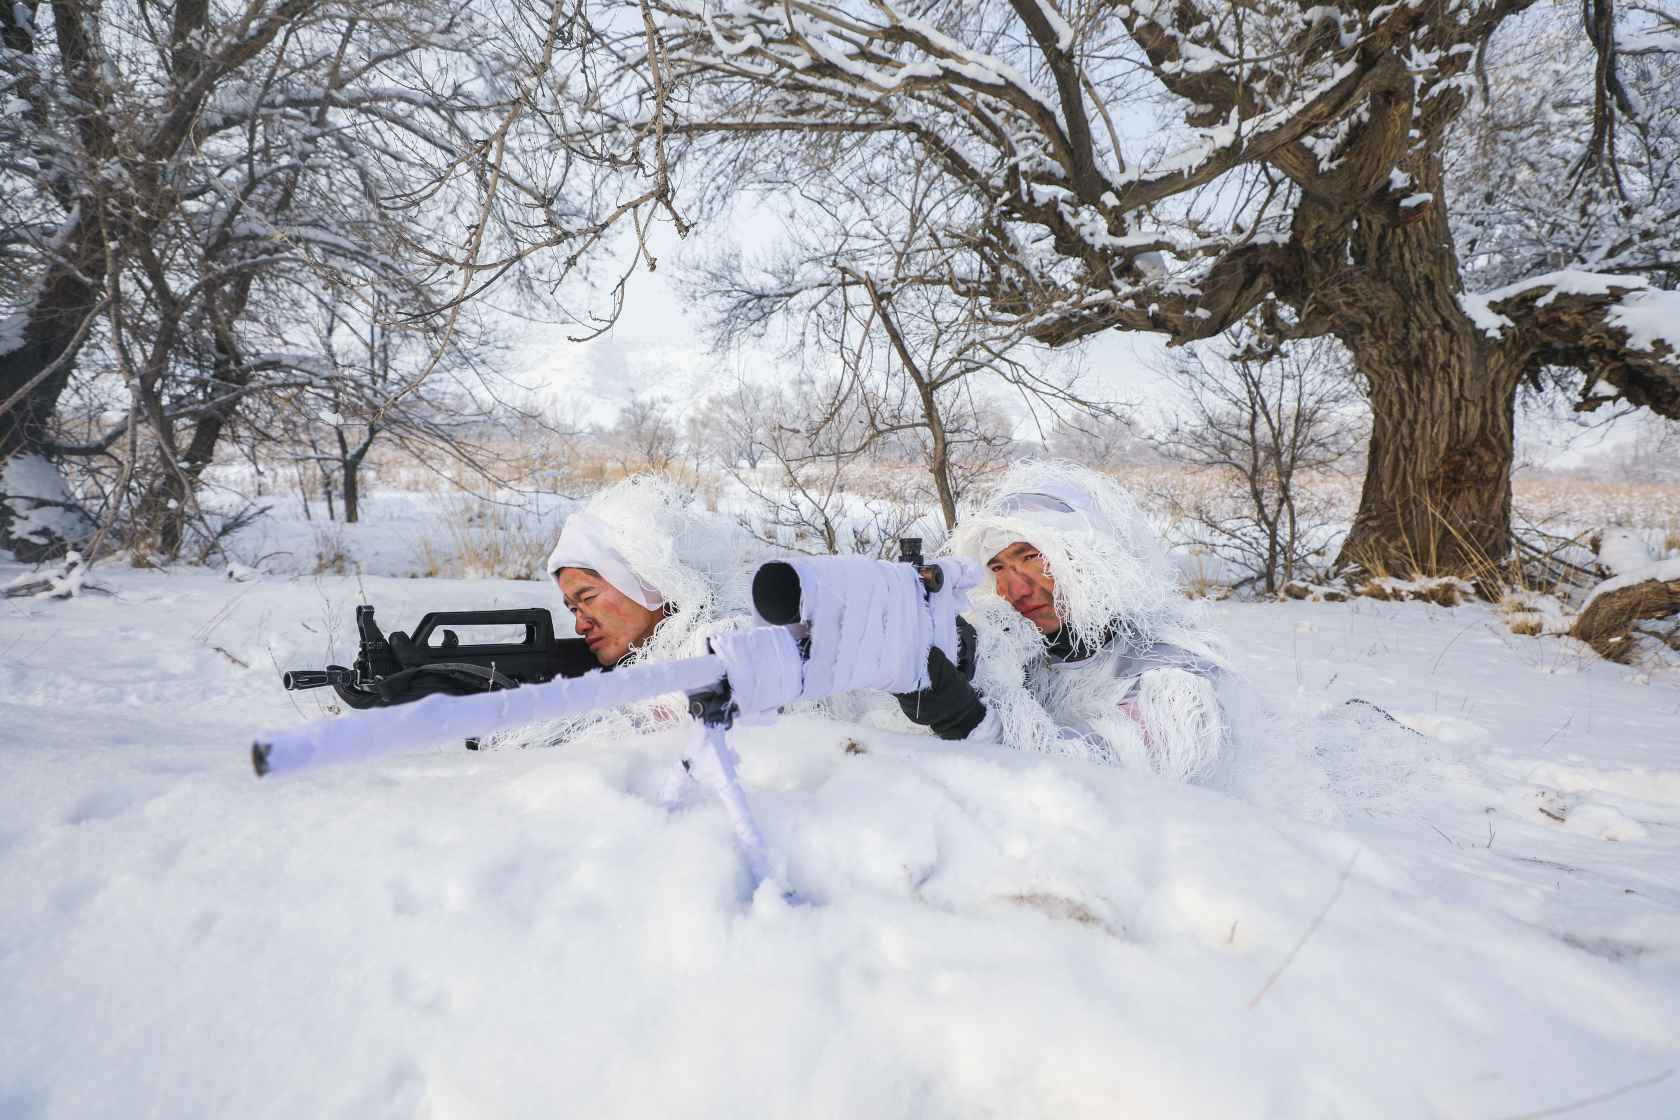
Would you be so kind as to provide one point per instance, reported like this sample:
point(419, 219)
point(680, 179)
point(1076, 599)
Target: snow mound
point(1369, 923)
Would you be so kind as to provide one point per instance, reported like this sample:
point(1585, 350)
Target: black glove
point(949, 706)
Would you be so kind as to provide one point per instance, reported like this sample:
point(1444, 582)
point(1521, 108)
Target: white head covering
point(586, 542)
point(1098, 546)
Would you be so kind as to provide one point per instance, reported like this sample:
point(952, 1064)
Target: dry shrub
point(330, 553)
point(432, 562)
point(1313, 592)
point(1533, 613)
point(482, 539)
point(1577, 501)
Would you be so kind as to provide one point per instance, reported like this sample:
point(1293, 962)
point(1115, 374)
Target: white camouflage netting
point(1113, 583)
point(700, 561)
point(1315, 760)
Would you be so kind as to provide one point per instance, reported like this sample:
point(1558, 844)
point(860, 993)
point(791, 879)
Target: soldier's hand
point(949, 706)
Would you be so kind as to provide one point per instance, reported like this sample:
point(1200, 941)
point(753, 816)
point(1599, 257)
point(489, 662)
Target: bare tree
point(1653, 454)
point(729, 429)
point(364, 394)
point(644, 436)
point(851, 283)
point(1104, 442)
point(811, 488)
point(1264, 421)
point(1304, 169)
point(177, 175)
point(810, 446)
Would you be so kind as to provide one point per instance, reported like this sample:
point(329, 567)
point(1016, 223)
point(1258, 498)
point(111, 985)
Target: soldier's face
point(609, 621)
point(1022, 580)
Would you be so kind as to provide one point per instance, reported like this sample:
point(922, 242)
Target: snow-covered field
point(1476, 918)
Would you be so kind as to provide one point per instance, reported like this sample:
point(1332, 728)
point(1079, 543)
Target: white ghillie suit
point(657, 546)
point(1154, 693)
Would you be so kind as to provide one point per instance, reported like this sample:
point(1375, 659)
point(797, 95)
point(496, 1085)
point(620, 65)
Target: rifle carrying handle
point(539, 632)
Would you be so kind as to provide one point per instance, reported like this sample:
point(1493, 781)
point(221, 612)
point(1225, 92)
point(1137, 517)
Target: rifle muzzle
point(296, 680)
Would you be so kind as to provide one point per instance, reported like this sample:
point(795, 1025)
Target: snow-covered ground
point(1476, 918)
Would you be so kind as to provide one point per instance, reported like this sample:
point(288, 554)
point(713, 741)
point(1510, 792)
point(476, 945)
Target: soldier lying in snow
point(1088, 647)
point(647, 575)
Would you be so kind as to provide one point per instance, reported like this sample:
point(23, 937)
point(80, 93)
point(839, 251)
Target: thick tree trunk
point(160, 516)
point(166, 510)
point(1437, 496)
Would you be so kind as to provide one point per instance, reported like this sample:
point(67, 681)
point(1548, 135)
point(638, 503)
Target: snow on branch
point(1616, 329)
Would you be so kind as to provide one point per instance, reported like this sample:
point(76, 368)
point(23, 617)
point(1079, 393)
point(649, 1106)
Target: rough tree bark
point(33, 375)
point(1437, 493)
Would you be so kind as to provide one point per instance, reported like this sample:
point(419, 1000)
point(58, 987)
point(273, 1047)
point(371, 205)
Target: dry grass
point(553, 467)
point(1606, 504)
point(1443, 591)
point(330, 553)
point(487, 541)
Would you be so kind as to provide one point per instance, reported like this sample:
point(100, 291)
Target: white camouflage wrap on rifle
point(870, 623)
point(1152, 697)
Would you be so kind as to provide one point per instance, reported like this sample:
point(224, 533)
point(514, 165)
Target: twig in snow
point(1307, 936)
point(230, 657)
point(1559, 1110)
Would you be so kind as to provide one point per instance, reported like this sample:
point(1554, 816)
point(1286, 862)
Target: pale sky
point(658, 346)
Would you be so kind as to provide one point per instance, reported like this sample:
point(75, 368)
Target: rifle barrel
point(438, 718)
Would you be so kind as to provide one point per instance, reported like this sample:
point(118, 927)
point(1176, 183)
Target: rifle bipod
point(713, 708)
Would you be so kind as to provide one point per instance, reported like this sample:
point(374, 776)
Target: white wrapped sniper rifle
point(831, 624)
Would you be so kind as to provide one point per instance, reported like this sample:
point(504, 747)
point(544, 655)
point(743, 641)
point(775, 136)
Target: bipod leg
point(722, 760)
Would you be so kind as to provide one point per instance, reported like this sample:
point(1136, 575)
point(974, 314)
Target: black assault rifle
point(399, 668)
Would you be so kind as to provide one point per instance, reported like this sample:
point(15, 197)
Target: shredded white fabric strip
point(764, 669)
